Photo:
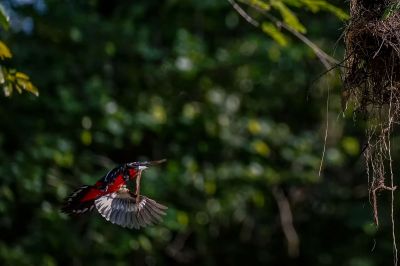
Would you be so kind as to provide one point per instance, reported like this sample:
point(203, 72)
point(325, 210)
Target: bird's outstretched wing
point(121, 208)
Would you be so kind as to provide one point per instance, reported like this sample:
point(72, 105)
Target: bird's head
point(137, 167)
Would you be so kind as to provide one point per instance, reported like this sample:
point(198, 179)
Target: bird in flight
point(111, 197)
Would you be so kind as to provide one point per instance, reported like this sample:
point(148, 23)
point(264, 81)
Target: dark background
point(240, 119)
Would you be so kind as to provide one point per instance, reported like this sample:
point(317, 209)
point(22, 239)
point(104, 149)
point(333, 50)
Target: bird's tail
point(80, 201)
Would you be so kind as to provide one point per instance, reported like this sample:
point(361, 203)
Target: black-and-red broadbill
point(112, 198)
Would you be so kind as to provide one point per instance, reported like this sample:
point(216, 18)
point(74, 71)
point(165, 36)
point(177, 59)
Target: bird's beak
point(155, 162)
point(145, 165)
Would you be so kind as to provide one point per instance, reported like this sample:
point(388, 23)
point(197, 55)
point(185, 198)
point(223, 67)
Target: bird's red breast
point(132, 173)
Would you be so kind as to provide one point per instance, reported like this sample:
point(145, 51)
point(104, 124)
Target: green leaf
point(20, 75)
point(295, 3)
point(351, 145)
point(2, 74)
point(7, 90)
point(275, 33)
point(11, 79)
point(289, 17)
point(260, 4)
point(18, 87)
point(390, 10)
point(25, 83)
point(4, 51)
point(4, 18)
point(317, 5)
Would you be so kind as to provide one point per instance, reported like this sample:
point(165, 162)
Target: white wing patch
point(120, 208)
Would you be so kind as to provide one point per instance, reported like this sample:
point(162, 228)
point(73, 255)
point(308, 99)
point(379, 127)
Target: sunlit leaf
point(19, 87)
point(4, 18)
point(275, 33)
point(145, 243)
point(317, 5)
point(295, 3)
point(182, 218)
point(28, 86)
point(4, 51)
point(159, 114)
point(20, 75)
point(2, 74)
point(15, 80)
point(259, 4)
point(351, 145)
point(289, 17)
point(86, 137)
point(254, 126)
point(31, 88)
point(7, 90)
point(261, 148)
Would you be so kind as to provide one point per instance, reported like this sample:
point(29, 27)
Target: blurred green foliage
point(10, 79)
point(285, 15)
point(236, 114)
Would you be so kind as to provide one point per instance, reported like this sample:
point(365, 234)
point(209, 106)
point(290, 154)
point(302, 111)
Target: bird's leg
point(139, 176)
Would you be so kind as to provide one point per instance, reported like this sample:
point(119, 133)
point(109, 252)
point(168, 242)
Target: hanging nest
point(372, 83)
